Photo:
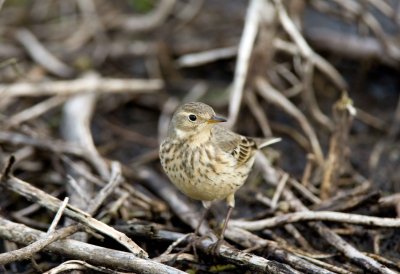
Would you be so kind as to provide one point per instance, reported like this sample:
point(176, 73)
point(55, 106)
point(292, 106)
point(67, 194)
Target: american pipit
point(204, 160)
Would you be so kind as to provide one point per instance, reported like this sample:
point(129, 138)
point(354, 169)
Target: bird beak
point(216, 119)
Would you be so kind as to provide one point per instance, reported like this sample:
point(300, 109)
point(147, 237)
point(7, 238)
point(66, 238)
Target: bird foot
point(214, 249)
point(193, 239)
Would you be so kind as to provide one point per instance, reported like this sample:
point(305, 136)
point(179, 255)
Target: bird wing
point(240, 147)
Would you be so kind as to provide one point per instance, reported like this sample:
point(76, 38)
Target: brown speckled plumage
point(204, 160)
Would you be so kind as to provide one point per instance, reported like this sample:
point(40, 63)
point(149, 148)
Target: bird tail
point(266, 142)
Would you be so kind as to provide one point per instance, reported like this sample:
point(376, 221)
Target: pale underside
point(208, 167)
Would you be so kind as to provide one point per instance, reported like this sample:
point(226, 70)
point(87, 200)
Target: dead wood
point(87, 92)
point(91, 253)
point(36, 195)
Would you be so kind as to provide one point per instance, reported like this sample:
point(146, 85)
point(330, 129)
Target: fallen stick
point(253, 15)
point(82, 85)
point(75, 128)
point(35, 247)
point(352, 46)
point(96, 255)
point(52, 203)
point(331, 237)
point(240, 236)
point(339, 243)
point(273, 96)
point(316, 216)
point(41, 55)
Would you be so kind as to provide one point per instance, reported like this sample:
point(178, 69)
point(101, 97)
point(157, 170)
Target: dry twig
point(52, 203)
point(35, 247)
point(41, 55)
point(83, 85)
point(316, 216)
point(114, 259)
point(244, 52)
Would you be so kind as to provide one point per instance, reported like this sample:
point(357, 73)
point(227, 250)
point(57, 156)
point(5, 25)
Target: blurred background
point(87, 82)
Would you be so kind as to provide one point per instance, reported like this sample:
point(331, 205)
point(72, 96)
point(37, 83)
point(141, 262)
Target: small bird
point(207, 161)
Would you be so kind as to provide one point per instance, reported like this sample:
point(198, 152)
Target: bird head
point(192, 119)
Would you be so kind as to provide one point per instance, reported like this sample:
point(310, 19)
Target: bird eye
point(192, 117)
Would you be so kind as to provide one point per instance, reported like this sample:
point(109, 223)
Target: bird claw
point(214, 249)
point(192, 241)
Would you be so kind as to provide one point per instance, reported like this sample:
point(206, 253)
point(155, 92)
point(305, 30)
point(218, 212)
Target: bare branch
point(41, 55)
point(53, 204)
point(329, 216)
point(83, 85)
point(41, 242)
point(111, 258)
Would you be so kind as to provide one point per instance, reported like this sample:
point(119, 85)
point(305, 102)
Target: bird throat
point(196, 138)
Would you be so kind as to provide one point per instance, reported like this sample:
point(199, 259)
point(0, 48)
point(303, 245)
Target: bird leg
point(215, 247)
point(231, 204)
point(203, 217)
point(228, 216)
point(197, 236)
point(197, 230)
